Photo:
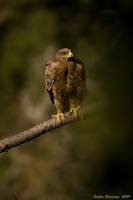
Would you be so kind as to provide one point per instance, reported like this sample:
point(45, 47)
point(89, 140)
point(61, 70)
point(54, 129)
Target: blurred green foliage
point(94, 156)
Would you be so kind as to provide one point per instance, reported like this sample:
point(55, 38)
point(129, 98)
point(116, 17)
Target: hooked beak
point(70, 54)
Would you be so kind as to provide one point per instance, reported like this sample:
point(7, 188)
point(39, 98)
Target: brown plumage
point(65, 82)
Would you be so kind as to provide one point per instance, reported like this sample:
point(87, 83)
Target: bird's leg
point(58, 116)
point(74, 104)
point(59, 108)
point(75, 110)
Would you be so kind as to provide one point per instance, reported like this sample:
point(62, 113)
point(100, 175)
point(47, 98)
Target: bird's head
point(63, 54)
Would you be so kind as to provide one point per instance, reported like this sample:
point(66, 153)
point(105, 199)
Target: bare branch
point(45, 127)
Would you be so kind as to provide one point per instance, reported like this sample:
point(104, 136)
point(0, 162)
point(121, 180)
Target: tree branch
point(45, 127)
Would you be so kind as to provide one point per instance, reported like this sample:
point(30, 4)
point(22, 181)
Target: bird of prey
point(65, 80)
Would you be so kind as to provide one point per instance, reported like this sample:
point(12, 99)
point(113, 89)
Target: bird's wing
point(49, 78)
point(76, 78)
point(70, 82)
point(80, 72)
point(80, 78)
point(55, 79)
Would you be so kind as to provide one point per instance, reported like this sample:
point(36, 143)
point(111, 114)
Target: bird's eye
point(64, 53)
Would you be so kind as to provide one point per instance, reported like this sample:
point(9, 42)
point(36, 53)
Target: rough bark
point(45, 127)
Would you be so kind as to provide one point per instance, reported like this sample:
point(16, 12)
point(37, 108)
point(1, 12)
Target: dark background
point(91, 157)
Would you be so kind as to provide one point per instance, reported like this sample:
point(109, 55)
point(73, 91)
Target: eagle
point(65, 80)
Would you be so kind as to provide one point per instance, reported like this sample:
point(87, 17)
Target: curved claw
point(75, 110)
point(58, 116)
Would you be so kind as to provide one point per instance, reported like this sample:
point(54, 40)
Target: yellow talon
point(58, 116)
point(75, 110)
